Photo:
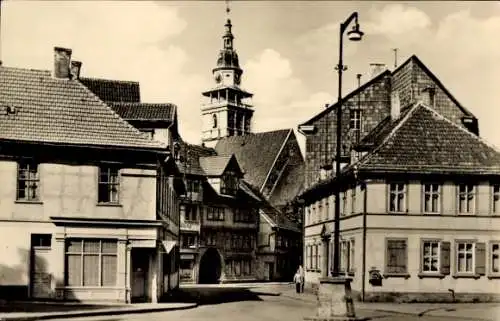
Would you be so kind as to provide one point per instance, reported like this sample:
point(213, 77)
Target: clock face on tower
point(218, 78)
point(237, 79)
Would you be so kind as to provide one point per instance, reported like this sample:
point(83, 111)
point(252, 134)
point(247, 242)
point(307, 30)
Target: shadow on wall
point(14, 287)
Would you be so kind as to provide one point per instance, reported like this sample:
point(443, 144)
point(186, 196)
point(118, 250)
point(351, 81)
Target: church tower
point(228, 111)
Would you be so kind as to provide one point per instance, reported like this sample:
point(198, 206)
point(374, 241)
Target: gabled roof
point(113, 90)
point(420, 64)
point(423, 141)
point(348, 96)
point(61, 111)
point(144, 111)
point(216, 165)
point(412, 59)
point(289, 186)
point(255, 153)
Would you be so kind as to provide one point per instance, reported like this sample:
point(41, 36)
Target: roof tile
point(61, 111)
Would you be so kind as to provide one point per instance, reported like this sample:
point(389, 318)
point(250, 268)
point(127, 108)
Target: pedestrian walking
point(297, 280)
point(302, 278)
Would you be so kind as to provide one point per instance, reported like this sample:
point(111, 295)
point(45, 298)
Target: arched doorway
point(210, 267)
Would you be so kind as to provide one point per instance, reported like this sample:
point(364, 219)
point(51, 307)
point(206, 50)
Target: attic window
point(229, 183)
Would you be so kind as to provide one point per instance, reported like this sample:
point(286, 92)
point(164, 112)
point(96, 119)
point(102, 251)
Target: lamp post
point(354, 35)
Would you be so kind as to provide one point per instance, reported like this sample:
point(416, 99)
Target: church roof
point(255, 152)
point(61, 111)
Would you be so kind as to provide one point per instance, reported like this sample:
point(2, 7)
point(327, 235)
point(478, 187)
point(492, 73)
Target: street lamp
point(354, 35)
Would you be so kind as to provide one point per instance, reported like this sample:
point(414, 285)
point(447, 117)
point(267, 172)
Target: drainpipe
point(363, 185)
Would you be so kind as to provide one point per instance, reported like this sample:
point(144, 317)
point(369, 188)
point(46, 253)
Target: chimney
point(377, 69)
point(62, 58)
point(427, 96)
point(76, 67)
point(395, 105)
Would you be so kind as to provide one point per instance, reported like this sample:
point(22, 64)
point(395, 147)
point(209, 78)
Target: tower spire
point(228, 9)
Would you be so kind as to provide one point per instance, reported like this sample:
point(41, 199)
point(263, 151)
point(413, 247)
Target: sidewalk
point(80, 311)
point(468, 311)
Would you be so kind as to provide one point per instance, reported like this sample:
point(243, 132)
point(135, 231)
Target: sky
point(288, 50)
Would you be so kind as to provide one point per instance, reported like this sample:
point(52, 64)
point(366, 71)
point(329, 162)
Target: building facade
point(88, 203)
point(418, 211)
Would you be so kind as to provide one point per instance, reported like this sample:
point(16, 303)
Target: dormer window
point(229, 183)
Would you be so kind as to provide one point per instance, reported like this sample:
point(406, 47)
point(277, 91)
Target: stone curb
point(101, 312)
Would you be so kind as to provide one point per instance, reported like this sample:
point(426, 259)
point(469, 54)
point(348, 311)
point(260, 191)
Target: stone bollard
point(335, 302)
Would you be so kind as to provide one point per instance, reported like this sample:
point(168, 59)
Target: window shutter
point(480, 258)
point(387, 256)
point(405, 257)
point(445, 257)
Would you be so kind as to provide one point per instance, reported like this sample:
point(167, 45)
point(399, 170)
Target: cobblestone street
point(263, 303)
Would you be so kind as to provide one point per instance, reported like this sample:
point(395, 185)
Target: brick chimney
point(427, 96)
point(62, 58)
point(76, 67)
point(395, 105)
point(376, 69)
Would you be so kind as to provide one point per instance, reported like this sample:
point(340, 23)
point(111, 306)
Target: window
point(188, 241)
point(244, 215)
point(215, 213)
point(347, 256)
point(495, 198)
point(214, 121)
point(41, 240)
point(211, 239)
point(91, 262)
point(465, 257)
point(308, 257)
point(109, 183)
point(190, 212)
point(315, 266)
point(431, 198)
point(352, 261)
point(397, 199)
point(149, 132)
point(344, 203)
point(494, 258)
point(430, 256)
point(466, 195)
point(28, 182)
point(320, 211)
point(355, 119)
point(396, 257)
point(229, 183)
point(193, 186)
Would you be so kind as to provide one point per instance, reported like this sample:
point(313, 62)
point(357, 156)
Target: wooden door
point(40, 278)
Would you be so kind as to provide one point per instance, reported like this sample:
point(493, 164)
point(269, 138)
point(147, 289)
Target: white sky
point(287, 49)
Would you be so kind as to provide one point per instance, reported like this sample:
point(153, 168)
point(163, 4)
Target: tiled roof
point(61, 111)
point(144, 111)
point(113, 90)
point(424, 141)
point(278, 219)
point(190, 155)
point(214, 165)
point(289, 186)
point(380, 131)
point(412, 59)
point(255, 153)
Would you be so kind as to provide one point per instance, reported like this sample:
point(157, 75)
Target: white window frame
point(431, 193)
point(431, 242)
point(495, 198)
point(355, 119)
point(490, 259)
point(458, 252)
point(472, 206)
point(396, 192)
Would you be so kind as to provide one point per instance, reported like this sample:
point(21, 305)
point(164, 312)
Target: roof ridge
point(112, 80)
point(137, 131)
point(393, 131)
point(276, 159)
point(477, 137)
